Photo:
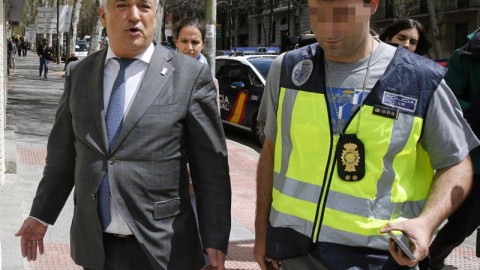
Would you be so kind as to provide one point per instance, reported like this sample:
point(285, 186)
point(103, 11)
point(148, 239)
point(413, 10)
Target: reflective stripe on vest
point(310, 198)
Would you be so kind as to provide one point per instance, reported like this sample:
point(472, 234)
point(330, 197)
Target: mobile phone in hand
point(402, 245)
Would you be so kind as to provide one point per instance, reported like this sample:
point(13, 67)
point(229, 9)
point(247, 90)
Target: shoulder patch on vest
point(302, 71)
point(400, 102)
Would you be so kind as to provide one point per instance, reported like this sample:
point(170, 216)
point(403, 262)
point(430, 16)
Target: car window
point(220, 67)
point(262, 65)
point(254, 80)
point(82, 47)
point(237, 72)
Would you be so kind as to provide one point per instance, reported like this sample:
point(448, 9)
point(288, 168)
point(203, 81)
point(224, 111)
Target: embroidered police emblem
point(302, 71)
point(350, 157)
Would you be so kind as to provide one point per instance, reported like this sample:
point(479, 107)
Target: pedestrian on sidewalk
point(73, 57)
point(19, 46)
point(131, 117)
point(25, 45)
point(11, 52)
point(45, 54)
point(355, 129)
point(462, 77)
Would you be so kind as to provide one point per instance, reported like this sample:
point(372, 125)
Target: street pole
point(288, 19)
point(210, 37)
point(58, 33)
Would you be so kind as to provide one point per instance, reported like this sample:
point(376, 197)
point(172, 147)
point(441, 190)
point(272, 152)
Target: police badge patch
point(302, 71)
point(350, 155)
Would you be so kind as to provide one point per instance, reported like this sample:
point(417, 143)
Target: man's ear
point(373, 6)
point(103, 19)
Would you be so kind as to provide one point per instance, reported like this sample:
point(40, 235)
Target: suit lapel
point(95, 93)
point(152, 84)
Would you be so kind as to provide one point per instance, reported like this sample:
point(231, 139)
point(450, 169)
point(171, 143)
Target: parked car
point(81, 48)
point(241, 81)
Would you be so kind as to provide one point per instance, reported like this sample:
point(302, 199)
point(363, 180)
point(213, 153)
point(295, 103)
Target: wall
point(279, 13)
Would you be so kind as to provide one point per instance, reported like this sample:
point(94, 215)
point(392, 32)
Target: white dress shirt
point(133, 78)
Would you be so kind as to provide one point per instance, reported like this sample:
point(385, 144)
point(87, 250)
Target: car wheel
point(258, 130)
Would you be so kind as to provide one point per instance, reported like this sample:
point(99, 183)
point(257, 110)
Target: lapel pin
point(164, 72)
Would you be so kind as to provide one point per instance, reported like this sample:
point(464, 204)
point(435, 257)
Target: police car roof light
point(255, 50)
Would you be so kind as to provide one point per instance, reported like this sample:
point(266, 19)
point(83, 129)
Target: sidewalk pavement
point(32, 102)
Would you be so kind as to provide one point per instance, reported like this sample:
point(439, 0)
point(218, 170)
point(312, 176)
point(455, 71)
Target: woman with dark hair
point(190, 38)
point(409, 34)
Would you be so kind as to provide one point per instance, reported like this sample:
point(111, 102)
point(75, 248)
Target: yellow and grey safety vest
point(311, 203)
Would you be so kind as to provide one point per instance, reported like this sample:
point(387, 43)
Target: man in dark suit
point(131, 117)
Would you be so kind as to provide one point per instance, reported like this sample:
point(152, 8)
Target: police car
point(241, 79)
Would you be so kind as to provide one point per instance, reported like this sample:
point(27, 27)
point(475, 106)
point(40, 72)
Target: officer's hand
point(417, 232)
point(260, 255)
point(32, 233)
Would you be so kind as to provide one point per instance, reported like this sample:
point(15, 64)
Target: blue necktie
point(114, 123)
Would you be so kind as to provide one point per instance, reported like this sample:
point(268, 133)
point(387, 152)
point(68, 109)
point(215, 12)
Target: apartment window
point(259, 33)
point(243, 20)
point(463, 3)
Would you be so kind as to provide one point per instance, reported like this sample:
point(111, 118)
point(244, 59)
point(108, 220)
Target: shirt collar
point(146, 56)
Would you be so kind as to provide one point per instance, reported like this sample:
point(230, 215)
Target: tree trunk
point(158, 35)
point(436, 35)
point(60, 37)
point(270, 24)
point(210, 46)
point(72, 35)
point(230, 26)
point(298, 14)
point(96, 32)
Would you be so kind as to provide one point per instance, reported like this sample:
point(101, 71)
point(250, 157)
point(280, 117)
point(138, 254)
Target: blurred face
point(189, 41)
point(342, 27)
point(130, 25)
point(407, 38)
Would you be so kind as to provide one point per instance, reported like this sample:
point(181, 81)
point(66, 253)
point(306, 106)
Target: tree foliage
point(88, 18)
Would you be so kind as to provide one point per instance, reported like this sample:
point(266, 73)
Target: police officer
point(355, 130)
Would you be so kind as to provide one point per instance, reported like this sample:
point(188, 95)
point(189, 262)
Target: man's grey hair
point(103, 3)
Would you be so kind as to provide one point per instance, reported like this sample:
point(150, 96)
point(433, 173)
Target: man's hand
point(418, 231)
point(260, 256)
point(32, 233)
point(217, 259)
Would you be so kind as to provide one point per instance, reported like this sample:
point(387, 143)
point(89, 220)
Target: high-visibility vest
point(311, 203)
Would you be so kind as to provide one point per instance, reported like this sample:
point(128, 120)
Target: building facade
point(455, 20)
point(290, 17)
